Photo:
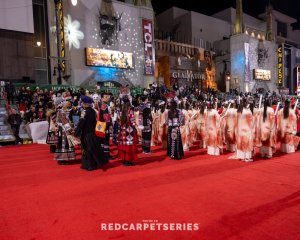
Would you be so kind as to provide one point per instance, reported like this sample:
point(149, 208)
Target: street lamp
point(228, 81)
point(59, 68)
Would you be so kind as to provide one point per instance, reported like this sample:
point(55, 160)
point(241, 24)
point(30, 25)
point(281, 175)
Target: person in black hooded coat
point(92, 152)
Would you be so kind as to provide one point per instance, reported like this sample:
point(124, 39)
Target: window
point(40, 35)
point(282, 29)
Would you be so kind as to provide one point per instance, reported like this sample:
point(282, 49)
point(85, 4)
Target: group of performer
point(240, 125)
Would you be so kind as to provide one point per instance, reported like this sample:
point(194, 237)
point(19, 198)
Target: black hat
point(125, 98)
point(87, 100)
point(105, 92)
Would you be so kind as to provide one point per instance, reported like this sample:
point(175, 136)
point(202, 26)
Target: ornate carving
point(109, 23)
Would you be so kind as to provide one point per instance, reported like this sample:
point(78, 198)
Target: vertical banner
point(62, 34)
point(247, 65)
point(280, 65)
point(298, 80)
point(148, 47)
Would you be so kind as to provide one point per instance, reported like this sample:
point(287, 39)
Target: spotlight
point(74, 2)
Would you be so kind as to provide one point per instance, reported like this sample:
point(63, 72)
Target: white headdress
point(125, 93)
point(95, 97)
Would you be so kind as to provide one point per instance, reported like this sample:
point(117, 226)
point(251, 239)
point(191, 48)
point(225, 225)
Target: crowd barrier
point(38, 131)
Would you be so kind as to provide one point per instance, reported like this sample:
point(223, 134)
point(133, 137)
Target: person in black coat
point(298, 135)
point(15, 120)
point(10, 91)
point(92, 152)
point(105, 116)
point(174, 120)
point(146, 124)
point(74, 114)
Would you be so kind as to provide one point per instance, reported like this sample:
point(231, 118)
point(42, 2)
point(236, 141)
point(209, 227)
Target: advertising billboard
point(261, 74)
point(108, 58)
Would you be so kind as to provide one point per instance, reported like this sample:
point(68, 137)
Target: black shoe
point(128, 163)
point(176, 158)
point(52, 148)
point(112, 157)
point(91, 169)
point(88, 169)
point(147, 152)
point(62, 162)
point(125, 163)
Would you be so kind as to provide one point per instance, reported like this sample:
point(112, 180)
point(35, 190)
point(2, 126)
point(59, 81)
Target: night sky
point(251, 7)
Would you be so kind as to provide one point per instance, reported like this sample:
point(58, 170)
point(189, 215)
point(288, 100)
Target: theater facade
point(102, 41)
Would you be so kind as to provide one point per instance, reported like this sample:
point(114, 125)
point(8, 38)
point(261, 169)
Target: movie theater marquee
point(261, 74)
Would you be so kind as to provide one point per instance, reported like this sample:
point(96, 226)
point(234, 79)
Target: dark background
point(251, 7)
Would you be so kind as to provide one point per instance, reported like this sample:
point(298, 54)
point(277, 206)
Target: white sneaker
point(248, 160)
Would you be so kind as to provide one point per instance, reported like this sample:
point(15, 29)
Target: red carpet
point(229, 199)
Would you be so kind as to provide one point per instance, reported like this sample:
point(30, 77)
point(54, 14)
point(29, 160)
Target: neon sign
point(280, 66)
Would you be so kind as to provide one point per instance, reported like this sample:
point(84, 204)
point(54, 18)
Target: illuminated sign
point(108, 58)
point(260, 74)
point(280, 66)
point(148, 48)
point(188, 75)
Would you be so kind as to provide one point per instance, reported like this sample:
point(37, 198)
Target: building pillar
point(239, 22)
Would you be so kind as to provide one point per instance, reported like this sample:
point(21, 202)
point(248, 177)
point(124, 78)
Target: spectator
point(15, 120)
point(30, 114)
point(29, 95)
point(41, 115)
point(10, 91)
point(74, 114)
